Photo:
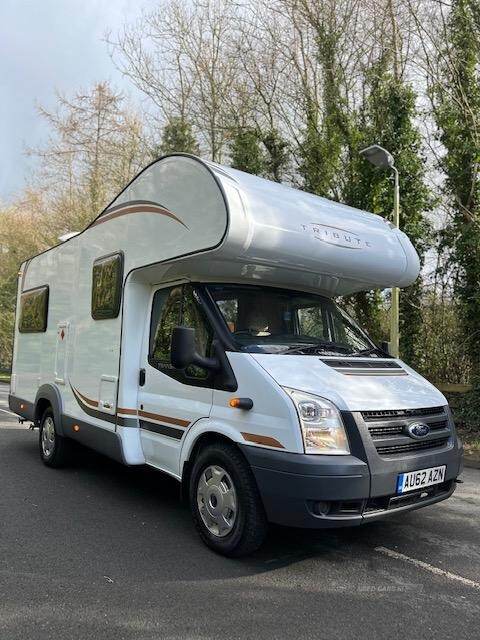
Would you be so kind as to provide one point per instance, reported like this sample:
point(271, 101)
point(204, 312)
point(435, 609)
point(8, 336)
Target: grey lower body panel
point(335, 491)
point(22, 408)
point(102, 440)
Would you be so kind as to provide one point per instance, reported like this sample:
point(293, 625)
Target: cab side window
point(166, 314)
point(177, 306)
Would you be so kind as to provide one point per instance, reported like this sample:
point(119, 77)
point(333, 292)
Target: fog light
point(321, 507)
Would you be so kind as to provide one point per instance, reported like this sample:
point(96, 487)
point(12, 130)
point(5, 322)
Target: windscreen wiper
point(366, 352)
point(313, 348)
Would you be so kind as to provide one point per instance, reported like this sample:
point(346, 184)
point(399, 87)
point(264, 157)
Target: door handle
point(141, 377)
point(106, 405)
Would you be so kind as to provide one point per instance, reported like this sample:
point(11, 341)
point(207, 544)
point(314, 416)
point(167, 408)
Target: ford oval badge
point(418, 430)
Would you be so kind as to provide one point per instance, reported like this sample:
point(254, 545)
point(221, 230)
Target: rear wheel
point(54, 450)
point(225, 502)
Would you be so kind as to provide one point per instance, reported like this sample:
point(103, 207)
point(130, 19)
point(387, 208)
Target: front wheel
point(225, 502)
point(54, 450)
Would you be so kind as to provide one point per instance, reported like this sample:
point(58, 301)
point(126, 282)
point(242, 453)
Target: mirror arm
point(211, 364)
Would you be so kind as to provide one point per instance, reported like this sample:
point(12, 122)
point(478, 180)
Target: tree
point(180, 56)
point(95, 148)
point(246, 153)
point(456, 100)
point(388, 118)
point(177, 136)
point(24, 220)
point(327, 131)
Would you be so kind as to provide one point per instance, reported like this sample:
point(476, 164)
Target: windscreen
point(270, 320)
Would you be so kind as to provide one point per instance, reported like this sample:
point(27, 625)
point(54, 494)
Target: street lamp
point(381, 158)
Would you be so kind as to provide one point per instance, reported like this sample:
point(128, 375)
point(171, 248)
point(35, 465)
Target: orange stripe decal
point(265, 440)
point(167, 419)
point(127, 412)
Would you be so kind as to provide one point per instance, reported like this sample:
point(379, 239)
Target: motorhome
point(193, 327)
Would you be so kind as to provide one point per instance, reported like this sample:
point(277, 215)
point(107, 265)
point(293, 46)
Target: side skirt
point(101, 440)
point(23, 408)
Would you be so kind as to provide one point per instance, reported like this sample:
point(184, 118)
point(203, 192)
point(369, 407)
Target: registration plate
point(419, 479)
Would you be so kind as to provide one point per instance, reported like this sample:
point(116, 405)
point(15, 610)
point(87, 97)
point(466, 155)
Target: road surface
point(99, 551)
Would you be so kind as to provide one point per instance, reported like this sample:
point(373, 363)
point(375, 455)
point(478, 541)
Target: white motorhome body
point(92, 354)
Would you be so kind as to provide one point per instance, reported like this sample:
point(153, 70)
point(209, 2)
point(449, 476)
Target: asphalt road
point(7, 419)
point(99, 551)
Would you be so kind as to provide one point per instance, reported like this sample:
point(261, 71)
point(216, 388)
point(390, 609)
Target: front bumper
point(334, 491)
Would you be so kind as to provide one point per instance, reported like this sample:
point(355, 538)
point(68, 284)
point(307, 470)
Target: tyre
point(225, 503)
point(54, 450)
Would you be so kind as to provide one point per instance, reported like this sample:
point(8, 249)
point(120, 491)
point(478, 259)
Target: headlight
point(321, 424)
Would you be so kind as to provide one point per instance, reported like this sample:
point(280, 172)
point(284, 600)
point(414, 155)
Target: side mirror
point(385, 346)
point(183, 352)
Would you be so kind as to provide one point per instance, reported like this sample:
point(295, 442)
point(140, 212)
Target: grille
point(388, 429)
point(413, 446)
point(402, 413)
point(397, 429)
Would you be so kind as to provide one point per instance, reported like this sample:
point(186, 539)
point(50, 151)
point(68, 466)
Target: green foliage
point(7, 318)
point(328, 132)
point(444, 357)
point(388, 118)
point(246, 152)
point(330, 165)
point(277, 154)
point(177, 136)
point(457, 112)
point(262, 153)
point(369, 310)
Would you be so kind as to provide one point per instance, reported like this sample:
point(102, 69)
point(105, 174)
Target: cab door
point(170, 400)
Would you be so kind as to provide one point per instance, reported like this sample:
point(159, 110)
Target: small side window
point(107, 286)
point(34, 310)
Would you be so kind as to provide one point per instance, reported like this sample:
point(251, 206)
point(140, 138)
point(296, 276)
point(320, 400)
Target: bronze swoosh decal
point(89, 410)
point(136, 206)
point(265, 440)
point(127, 412)
point(155, 416)
point(89, 401)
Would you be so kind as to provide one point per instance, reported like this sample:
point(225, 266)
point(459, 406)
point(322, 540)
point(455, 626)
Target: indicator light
point(241, 403)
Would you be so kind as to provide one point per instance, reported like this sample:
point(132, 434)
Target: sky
point(49, 45)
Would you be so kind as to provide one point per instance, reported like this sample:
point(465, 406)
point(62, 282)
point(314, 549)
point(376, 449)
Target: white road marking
point(9, 412)
point(428, 567)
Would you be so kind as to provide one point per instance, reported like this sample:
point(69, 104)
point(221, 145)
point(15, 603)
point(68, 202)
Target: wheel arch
point(198, 437)
point(49, 395)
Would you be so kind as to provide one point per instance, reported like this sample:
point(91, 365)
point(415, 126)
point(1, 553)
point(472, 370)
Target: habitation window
point(34, 310)
point(107, 286)
point(171, 308)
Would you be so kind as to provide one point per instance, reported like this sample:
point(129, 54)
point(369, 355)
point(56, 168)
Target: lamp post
point(381, 158)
